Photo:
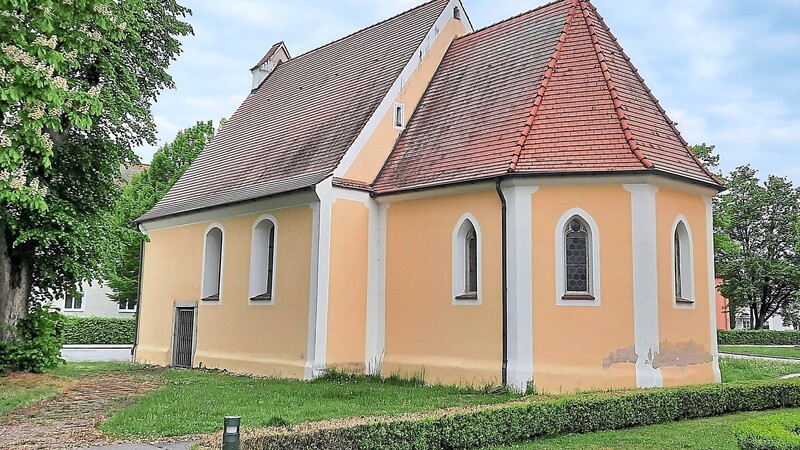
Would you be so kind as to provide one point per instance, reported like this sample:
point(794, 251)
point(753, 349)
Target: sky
point(727, 71)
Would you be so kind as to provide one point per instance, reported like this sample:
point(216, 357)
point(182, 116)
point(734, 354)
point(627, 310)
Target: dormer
point(276, 55)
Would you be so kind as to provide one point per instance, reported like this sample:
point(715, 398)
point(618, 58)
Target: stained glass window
point(577, 257)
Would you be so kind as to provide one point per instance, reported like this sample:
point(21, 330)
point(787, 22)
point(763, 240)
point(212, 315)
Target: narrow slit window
point(399, 116)
point(262, 261)
point(466, 262)
point(471, 263)
point(212, 266)
point(682, 264)
point(576, 258)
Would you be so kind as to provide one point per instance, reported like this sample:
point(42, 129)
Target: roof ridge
point(626, 130)
point(487, 27)
point(366, 28)
point(653, 98)
point(537, 102)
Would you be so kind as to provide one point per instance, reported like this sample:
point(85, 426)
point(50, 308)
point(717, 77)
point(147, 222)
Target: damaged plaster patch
point(680, 354)
point(620, 356)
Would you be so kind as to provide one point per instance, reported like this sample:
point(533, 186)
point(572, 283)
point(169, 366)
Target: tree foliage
point(760, 263)
point(142, 193)
point(77, 79)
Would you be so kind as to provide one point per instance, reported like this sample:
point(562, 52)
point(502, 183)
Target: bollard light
point(230, 433)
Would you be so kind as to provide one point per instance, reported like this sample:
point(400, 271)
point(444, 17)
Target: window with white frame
point(262, 261)
point(466, 262)
point(399, 116)
point(212, 265)
point(577, 248)
point(127, 305)
point(73, 301)
point(682, 264)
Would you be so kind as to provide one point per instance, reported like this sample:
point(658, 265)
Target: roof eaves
point(649, 92)
point(537, 102)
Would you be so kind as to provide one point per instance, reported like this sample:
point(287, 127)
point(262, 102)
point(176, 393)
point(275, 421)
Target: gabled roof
point(294, 129)
point(546, 92)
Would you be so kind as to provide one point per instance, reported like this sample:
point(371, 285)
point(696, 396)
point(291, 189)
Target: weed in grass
point(750, 369)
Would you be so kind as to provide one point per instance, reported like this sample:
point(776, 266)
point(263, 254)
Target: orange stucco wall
point(347, 297)
point(571, 343)
point(425, 332)
point(261, 339)
point(377, 148)
point(684, 332)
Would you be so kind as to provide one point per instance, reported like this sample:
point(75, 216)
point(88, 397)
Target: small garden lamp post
point(230, 434)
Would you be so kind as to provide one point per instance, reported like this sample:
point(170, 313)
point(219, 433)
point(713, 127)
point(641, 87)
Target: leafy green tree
point(138, 196)
point(77, 79)
point(705, 153)
point(761, 265)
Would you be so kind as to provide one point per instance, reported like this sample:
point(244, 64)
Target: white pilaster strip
point(326, 199)
point(376, 291)
point(520, 286)
point(645, 282)
point(712, 299)
point(308, 372)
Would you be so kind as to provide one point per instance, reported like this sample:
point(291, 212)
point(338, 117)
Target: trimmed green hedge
point(778, 432)
point(757, 337)
point(98, 330)
point(581, 413)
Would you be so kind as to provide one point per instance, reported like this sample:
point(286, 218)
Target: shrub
point(580, 413)
point(778, 432)
point(37, 345)
point(98, 330)
point(758, 337)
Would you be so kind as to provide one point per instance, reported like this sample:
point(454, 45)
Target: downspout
point(504, 233)
point(138, 297)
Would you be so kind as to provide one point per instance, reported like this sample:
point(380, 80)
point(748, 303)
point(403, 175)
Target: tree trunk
point(15, 286)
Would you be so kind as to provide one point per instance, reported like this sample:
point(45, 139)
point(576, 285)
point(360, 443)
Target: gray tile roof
point(293, 131)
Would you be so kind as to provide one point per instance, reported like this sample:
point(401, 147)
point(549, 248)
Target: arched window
point(577, 260)
point(212, 265)
point(466, 261)
point(262, 261)
point(682, 264)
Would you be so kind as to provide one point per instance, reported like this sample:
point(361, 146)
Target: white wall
point(96, 303)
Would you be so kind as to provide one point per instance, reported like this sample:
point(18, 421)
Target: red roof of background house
point(548, 91)
point(293, 131)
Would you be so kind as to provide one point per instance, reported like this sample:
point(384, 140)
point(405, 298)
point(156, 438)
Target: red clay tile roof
point(549, 91)
point(269, 54)
point(293, 131)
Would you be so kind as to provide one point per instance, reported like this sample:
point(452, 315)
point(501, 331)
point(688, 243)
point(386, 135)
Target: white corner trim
point(255, 270)
point(376, 289)
point(645, 282)
point(394, 91)
point(712, 298)
point(325, 192)
point(458, 261)
point(311, 350)
point(221, 264)
point(520, 285)
point(594, 248)
point(691, 278)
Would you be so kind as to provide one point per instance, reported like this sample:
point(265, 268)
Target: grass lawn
point(712, 433)
point(747, 369)
point(194, 402)
point(760, 350)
